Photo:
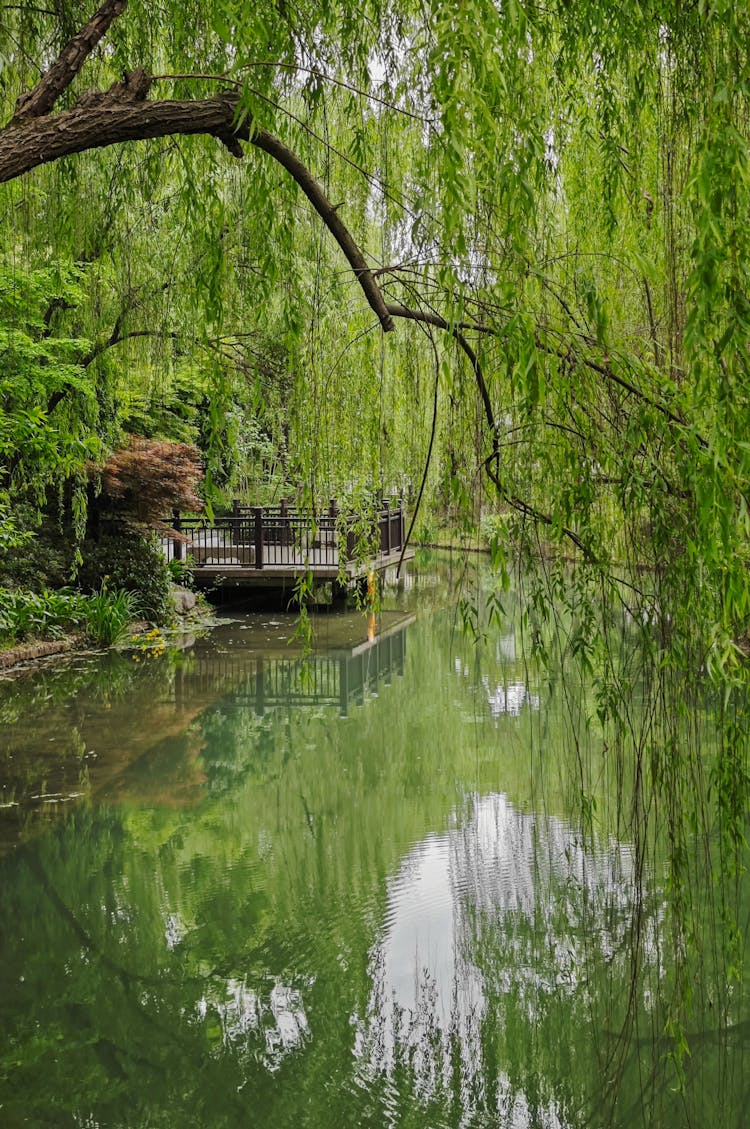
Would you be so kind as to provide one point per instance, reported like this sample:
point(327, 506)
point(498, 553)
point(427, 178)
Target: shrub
point(181, 572)
point(145, 480)
point(127, 561)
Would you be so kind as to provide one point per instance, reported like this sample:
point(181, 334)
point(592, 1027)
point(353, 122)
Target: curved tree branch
point(398, 311)
point(66, 66)
point(428, 459)
point(123, 113)
point(329, 214)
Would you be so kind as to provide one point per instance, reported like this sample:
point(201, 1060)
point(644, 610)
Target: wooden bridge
point(274, 546)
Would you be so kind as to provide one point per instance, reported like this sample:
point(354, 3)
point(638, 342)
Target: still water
point(244, 887)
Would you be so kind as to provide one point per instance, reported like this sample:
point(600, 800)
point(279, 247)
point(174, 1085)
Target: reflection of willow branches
point(715, 1036)
point(168, 1034)
point(126, 976)
point(413, 1050)
point(614, 1057)
point(655, 716)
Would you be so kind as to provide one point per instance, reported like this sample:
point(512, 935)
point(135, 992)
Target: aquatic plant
point(39, 615)
point(109, 614)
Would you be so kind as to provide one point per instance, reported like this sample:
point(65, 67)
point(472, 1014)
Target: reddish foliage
point(149, 478)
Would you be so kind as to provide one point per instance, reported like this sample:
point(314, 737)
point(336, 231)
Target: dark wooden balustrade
point(283, 538)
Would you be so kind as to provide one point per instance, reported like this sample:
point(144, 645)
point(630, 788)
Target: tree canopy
point(549, 206)
point(561, 195)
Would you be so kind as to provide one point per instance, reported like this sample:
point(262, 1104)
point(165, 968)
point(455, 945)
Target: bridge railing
point(267, 536)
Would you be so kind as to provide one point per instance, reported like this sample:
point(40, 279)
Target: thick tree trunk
point(101, 118)
point(106, 121)
point(66, 66)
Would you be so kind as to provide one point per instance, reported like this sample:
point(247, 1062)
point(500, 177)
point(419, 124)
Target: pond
point(245, 885)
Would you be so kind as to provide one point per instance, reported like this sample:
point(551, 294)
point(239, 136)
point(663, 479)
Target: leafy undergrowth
point(28, 617)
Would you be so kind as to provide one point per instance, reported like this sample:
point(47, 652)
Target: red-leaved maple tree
point(147, 479)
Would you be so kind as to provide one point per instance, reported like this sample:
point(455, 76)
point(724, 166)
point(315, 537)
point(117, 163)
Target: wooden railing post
point(258, 521)
point(236, 516)
point(386, 548)
point(285, 537)
point(177, 545)
point(331, 533)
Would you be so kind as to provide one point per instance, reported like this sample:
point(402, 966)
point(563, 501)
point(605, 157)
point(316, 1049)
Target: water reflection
point(342, 673)
point(509, 699)
point(505, 913)
point(57, 725)
point(266, 1026)
point(507, 695)
point(263, 913)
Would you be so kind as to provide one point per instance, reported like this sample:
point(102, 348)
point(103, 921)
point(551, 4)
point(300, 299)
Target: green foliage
point(46, 614)
point(12, 536)
point(131, 563)
point(29, 616)
point(47, 402)
point(566, 188)
point(181, 572)
point(109, 613)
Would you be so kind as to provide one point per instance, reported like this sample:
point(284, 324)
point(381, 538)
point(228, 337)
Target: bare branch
point(329, 214)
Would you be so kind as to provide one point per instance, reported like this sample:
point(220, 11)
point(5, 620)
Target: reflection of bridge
point(340, 677)
point(274, 546)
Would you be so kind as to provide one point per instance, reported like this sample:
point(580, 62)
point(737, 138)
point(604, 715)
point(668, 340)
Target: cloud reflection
point(503, 914)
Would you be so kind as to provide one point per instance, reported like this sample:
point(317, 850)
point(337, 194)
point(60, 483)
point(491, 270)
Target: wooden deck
point(273, 547)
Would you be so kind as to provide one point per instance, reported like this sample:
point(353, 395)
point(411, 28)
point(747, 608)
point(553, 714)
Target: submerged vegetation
point(493, 256)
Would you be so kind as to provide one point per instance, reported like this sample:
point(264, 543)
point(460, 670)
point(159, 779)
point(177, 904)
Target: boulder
point(183, 600)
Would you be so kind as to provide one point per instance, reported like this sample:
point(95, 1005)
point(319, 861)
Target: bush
point(181, 572)
point(127, 561)
point(43, 561)
point(149, 478)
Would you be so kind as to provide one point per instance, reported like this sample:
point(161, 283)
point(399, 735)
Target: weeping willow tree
point(519, 228)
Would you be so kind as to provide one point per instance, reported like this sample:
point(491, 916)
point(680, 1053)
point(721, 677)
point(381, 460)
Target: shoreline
point(23, 653)
point(24, 658)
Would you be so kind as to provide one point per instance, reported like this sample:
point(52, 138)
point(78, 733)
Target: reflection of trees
point(505, 688)
point(506, 938)
point(162, 1013)
point(249, 961)
point(509, 699)
point(262, 1027)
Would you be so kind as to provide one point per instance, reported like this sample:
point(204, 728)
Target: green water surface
point(240, 887)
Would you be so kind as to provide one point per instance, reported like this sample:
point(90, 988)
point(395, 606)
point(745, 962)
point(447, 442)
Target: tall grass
point(104, 616)
point(109, 614)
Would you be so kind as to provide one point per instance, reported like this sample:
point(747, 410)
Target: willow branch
point(124, 114)
point(396, 310)
point(328, 212)
point(428, 459)
point(536, 515)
